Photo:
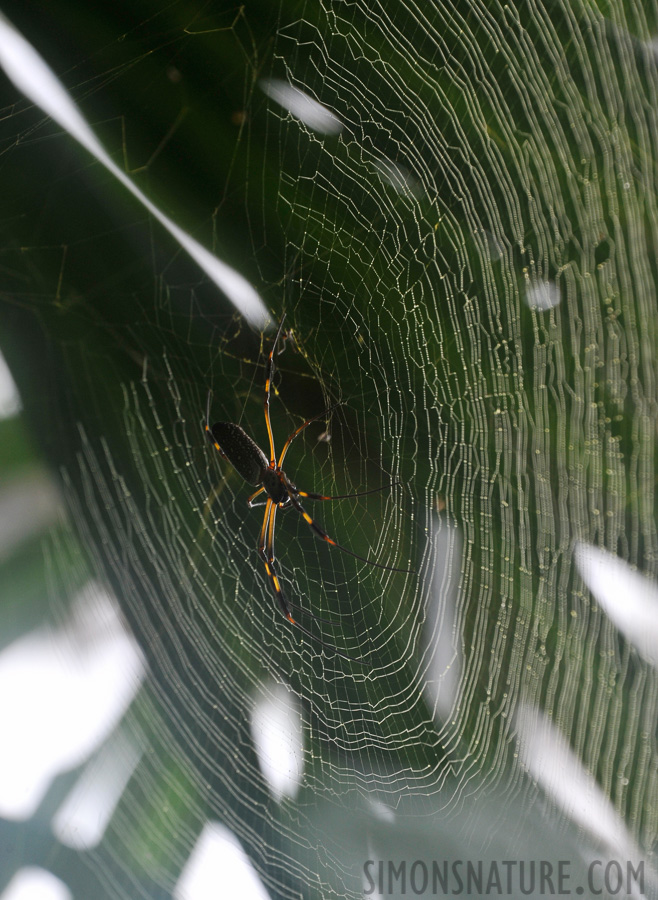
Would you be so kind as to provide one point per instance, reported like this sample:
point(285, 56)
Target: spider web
point(455, 206)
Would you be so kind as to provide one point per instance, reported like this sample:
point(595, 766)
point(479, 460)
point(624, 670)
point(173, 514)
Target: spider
point(249, 461)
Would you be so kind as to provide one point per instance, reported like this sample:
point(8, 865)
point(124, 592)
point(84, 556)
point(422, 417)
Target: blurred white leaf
point(628, 598)
point(301, 106)
point(37, 81)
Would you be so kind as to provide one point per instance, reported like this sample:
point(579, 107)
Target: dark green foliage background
point(530, 159)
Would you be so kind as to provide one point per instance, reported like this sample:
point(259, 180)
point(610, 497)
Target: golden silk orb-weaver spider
point(249, 461)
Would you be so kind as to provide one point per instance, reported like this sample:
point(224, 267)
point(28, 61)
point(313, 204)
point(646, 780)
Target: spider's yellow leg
point(266, 550)
point(294, 495)
point(378, 490)
point(268, 388)
point(299, 430)
point(250, 500)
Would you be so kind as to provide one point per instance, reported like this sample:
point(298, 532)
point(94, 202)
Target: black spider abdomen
point(241, 451)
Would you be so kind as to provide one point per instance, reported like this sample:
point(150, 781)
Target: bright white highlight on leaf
point(628, 598)
point(543, 295)
point(443, 646)
point(219, 867)
point(81, 820)
point(36, 80)
point(276, 729)
point(494, 246)
point(62, 692)
point(10, 402)
point(33, 883)
point(382, 812)
point(561, 774)
point(398, 177)
point(28, 505)
point(301, 106)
